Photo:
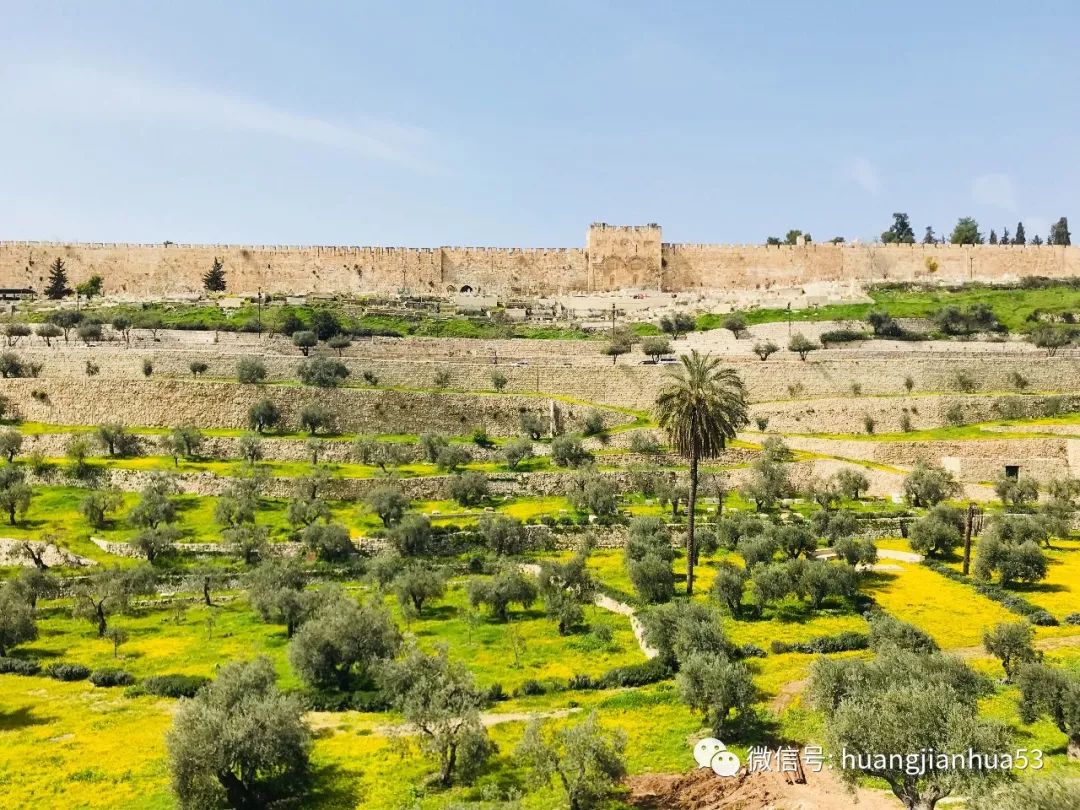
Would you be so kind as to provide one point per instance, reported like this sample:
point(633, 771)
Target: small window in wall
point(1012, 471)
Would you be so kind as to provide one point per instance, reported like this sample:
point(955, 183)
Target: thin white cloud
point(994, 190)
point(864, 174)
point(90, 93)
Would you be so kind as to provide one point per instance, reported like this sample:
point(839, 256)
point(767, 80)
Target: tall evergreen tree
point(1020, 238)
point(1005, 237)
point(214, 279)
point(900, 232)
point(1059, 233)
point(928, 237)
point(58, 281)
point(966, 232)
point(993, 237)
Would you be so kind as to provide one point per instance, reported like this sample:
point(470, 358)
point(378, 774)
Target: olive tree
point(109, 590)
point(15, 493)
point(649, 555)
point(655, 347)
point(728, 586)
point(11, 442)
point(516, 451)
point(929, 484)
point(1012, 643)
point(585, 759)
point(264, 415)
point(416, 584)
point(340, 644)
point(802, 345)
point(938, 532)
point(439, 698)
point(568, 451)
point(1013, 562)
point(565, 588)
point(1054, 693)
point(276, 592)
point(508, 586)
point(918, 702)
point(1018, 492)
point(469, 488)
point(502, 534)
point(18, 620)
point(710, 683)
point(250, 371)
point(329, 541)
point(388, 502)
point(239, 742)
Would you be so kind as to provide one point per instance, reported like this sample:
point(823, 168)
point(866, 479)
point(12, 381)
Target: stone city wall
point(615, 257)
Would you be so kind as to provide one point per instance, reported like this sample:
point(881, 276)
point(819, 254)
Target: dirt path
point(788, 692)
point(703, 790)
point(605, 602)
point(487, 719)
point(902, 556)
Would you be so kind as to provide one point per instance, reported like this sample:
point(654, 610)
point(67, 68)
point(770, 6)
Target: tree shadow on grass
point(333, 787)
point(1037, 587)
point(878, 580)
point(21, 718)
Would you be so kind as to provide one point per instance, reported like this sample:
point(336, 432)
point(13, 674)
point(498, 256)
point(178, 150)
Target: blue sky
point(513, 123)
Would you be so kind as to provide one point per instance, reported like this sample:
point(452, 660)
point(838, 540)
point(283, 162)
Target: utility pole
point(968, 526)
point(613, 320)
point(260, 311)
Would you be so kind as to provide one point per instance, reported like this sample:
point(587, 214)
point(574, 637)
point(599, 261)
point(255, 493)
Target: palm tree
point(700, 406)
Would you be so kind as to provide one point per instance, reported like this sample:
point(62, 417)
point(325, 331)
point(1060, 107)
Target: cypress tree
point(214, 279)
point(1020, 238)
point(58, 281)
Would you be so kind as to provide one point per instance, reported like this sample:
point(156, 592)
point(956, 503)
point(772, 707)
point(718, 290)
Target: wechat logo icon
point(711, 753)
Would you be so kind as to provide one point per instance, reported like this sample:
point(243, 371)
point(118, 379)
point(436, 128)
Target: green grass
point(1012, 306)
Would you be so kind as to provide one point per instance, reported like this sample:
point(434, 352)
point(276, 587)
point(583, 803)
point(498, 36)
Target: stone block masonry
point(614, 257)
point(171, 403)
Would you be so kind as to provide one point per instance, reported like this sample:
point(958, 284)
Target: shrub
point(469, 488)
point(532, 687)
point(582, 682)
point(147, 367)
point(802, 345)
point(304, 341)
point(322, 372)
point(250, 371)
point(652, 671)
point(67, 672)
point(481, 438)
point(594, 423)
point(841, 642)
point(174, 686)
point(763, 350)
point(18, 666)
point(843, 336)
point(111, 677)
point(1072, 618)
point(567, 451)
point(965, 382)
